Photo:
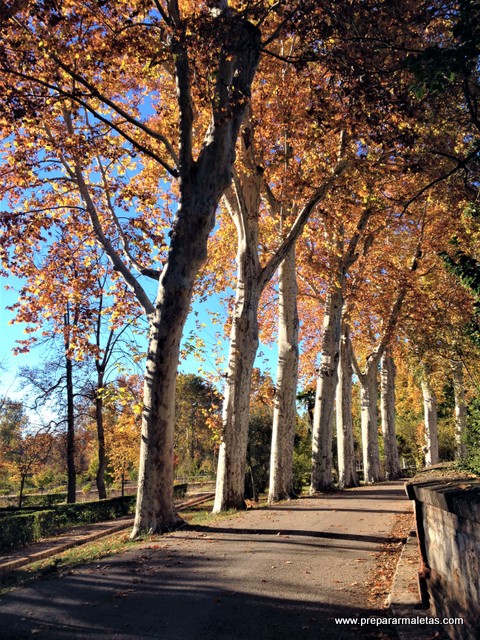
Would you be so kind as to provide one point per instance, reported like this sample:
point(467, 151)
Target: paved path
point(77, 536)
point(277, 574)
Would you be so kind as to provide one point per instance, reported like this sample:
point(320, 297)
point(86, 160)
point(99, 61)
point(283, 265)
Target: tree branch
point(112, 254)
point(297, 227)
point(145, 271)
point(356, 367)
point(77, 99)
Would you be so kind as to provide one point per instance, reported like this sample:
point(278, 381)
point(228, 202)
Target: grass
point(444, 471)
point(63, 562)
point(202, 514)
point(114, 544)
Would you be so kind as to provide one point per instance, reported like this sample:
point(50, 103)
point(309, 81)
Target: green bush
point(472, 437)
point(45, 500)
point(98, 511)
point(19, 530)
point(22, 529)
point(179, 490)
point(18, 511)
point(45, 524)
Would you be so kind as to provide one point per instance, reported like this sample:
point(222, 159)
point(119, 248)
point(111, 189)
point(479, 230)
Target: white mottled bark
point(430, 418)
point(243, 203)
point(369, 415)
point(460, 407)
point(325, 395)
point(285, 411)
point(387, 403)
point(347, 475)
point(230, 485)
point(202, 183)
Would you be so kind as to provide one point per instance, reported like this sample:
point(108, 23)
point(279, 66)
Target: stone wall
point(448, 528)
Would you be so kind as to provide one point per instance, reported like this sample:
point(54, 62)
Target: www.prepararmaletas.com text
point(420, 620)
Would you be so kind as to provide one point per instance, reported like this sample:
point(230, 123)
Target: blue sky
point(200, 323)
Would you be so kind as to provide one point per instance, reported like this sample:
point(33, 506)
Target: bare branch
point(112, 254)
point(76, 98)
point(297, 227)
point(146, 271)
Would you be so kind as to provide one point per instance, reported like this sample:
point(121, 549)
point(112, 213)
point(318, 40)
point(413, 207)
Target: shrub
point(45, 500)
point(90, 512)
point(24, 528)
point(11, 510)
point(21, 529)
point(17, 531)
point(472, 437)
point(179, 490)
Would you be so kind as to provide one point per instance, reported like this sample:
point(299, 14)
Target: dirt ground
point(282, 573)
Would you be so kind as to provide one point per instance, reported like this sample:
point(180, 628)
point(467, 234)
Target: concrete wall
point(448, 527)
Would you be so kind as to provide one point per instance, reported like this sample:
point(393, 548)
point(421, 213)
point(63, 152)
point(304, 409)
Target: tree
point(345, 255)
point(122, 426)
point(387, 404)
point(430, 417)
point(53, 385)
point(13, 420)
point(460, 408)
point(89, 77)
point(252, 278)
point(197, 412)
point(347, 474)
point(281, 483)
point(25, 449)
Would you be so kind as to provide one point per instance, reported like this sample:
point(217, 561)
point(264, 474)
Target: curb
point(405, 599)
point(46, 553)
point(30, 558)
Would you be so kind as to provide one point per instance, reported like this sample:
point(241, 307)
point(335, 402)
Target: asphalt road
point(280, 574)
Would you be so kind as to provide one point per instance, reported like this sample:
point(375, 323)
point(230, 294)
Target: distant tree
point(197, 423)
point(122, 410)
point(472, 438)
point(258, 450)
point(13, 419)
point(25, 449)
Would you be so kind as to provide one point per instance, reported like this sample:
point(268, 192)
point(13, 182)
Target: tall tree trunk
point(460, 408)
point(230, 486)
point(71, 471)
point(369, 411)
point(202, 183)
point(430, 417)
point(102, 460)
point(285, 410)
point(155, 507)
point(244, 204)
point(20, 493)
point(347, 475)
point(325, 395)
point(387, 403)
